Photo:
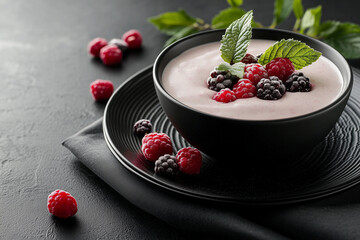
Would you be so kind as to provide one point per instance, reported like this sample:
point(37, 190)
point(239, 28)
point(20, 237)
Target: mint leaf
point(172, 22)
point(311, 21)
point(225, 17)
point(282, 10)
point(300, 54)
point(298, 12)
point(236, 39)
point(235, 3)
point(185, 31)
point(298, 9)
point(235, 69)
point(346, 39)
point(328, 28)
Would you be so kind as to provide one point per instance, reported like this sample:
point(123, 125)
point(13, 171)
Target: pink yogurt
point(185, 77)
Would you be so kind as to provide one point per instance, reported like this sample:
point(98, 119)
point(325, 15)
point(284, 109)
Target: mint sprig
point(300, 54)
point(344, 37)
point(236, 39)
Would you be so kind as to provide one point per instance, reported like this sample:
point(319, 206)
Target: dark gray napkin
point(336, 217)
point(90, 148)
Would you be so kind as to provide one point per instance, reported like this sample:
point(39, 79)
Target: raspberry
point(121, 44)
point(220, 80)
point(133, 39)
point(166, 165)
point(155, 145)
point(61, 204)
point(254, 72)
point(298, 82)
point(101, 89)
point(142, 127)
point(189, 160)
point(249, 58)
point(271, 88)
point(225, 95)
point(95, 45)
point(280, 67)
point(244, 89)
point(111, 55)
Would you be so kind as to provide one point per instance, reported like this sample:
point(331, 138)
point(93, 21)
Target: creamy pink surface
point(185, 77)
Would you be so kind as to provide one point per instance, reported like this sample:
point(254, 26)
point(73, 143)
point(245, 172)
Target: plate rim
point(208, 197)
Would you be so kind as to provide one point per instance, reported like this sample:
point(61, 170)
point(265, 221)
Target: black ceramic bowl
point(267, 139)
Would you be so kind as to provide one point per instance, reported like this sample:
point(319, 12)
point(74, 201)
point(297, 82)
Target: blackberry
point(121, 44)
point(166, 165)
point(219, 80)
point(298, 82)
point(271, 88)
point(142, 127)
point(249, 58)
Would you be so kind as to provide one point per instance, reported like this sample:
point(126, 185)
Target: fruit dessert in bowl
point(242, 94)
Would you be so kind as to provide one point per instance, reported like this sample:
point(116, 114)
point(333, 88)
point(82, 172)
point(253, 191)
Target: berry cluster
point(269, 82)
point(158, 148)
point(111, 53)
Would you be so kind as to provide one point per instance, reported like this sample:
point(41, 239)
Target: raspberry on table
point(219, 80)
point(254, 72)
point(189, 160)
point(225, 95)
point(298, 82)
point(142, 126)
point(61, 204)
point(281, 68)
point(121, 44)
point(244, 88)
point(249, 58)
point(166, 165)
point(155, 145)
point(271, 88)
point(96, 45)
point(101, 89)
point(111, 55)
point(133, 38)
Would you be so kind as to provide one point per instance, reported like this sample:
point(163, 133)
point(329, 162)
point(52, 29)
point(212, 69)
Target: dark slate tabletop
point(45, 72)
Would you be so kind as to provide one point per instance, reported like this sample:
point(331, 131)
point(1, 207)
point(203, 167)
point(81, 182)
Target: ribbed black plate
point(332, 166)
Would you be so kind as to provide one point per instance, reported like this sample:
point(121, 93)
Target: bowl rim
point(345, 93)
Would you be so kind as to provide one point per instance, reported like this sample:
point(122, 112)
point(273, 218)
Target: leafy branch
point(343, 36)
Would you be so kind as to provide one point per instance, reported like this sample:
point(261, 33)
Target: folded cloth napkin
point(335, 217)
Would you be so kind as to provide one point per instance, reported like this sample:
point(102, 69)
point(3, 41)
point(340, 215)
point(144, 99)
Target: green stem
point(297, 25)
point(273, 25)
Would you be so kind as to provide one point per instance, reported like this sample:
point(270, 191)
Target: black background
point(45, 72)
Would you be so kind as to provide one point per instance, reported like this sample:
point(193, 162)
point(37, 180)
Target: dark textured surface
point(45, 74)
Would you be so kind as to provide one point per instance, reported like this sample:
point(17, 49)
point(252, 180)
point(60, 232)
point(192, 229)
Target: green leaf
point(282, 10)
point(225, 17)
point(235, 69)
point(300, 54)
point(172, 22)
point(345, 39)
point(311, 21)
point(236, 39)
point(298, 9)
point(185, 31)
point(235, 3)
point(327, 28)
